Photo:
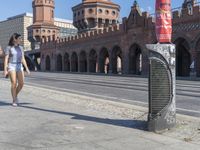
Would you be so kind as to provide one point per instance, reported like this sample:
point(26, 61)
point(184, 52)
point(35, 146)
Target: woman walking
point(13, 66)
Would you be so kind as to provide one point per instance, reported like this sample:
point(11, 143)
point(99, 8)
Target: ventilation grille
point(159, 87)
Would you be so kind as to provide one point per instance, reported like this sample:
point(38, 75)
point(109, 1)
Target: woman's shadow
point(3, 103)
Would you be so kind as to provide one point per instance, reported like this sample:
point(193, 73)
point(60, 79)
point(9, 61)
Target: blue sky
point(10, 8)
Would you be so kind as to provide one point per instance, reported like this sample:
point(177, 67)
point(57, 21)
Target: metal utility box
point(162, 106)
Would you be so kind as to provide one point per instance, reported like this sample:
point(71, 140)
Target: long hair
point(12, 38)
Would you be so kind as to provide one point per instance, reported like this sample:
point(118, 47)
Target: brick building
point(104, 46)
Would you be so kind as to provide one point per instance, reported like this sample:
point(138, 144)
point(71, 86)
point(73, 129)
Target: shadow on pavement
point(137, 124)
point(3, 103)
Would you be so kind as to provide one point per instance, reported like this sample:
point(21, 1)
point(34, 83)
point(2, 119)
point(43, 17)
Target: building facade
point(20, 23)
point(15, 24)
point(66, 27)
point(120, 48)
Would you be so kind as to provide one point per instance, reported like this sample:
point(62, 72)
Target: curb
point(111, 103)
point(119, 108)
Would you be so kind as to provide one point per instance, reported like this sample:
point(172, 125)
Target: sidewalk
point(52, 120)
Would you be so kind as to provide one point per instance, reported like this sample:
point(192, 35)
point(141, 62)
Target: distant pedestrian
point(13, 65)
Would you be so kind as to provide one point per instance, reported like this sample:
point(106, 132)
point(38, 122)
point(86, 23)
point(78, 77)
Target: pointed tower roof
point(189, 2)
point(135, 3)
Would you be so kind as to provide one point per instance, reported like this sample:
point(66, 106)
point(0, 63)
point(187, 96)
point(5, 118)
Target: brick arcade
point(103, 45)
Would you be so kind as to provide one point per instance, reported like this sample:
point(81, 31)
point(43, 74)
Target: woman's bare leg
point(20, 78)
point(13, 79)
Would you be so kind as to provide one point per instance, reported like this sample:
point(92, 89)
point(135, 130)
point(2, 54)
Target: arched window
point(190, 8)
point(52, 14)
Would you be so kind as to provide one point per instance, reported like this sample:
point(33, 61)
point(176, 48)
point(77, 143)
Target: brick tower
point(95, 14)
point(43, 27)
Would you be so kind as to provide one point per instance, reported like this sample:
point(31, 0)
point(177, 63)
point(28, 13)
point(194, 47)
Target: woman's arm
point(25, 64)
point(5, 73)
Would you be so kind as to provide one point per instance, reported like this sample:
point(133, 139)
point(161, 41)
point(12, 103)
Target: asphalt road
point(131, 90)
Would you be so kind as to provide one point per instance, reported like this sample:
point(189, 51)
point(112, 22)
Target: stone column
point(193, 71)
point(110, 63)
point(88, 63)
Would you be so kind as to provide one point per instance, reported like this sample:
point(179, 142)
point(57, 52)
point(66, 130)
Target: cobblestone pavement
point(48, 119)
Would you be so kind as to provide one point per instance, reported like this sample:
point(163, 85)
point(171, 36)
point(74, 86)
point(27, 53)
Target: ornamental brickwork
point(120, 48)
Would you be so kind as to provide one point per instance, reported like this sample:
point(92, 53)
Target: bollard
point(162, 83)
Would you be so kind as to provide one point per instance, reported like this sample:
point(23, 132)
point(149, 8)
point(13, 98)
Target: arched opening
point(106, 23)
point(59, 62)
point(48, 63)
point(74, 62)
point(183, 57)
point(104, 61)
point(83, 62)
point(135, 60)
point(30, 63)
point(66, 62)
point(91, 23)
point(197, 59)
point(116, 60)
point(93, 61)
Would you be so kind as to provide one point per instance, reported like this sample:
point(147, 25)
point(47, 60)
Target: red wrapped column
point(163, 21)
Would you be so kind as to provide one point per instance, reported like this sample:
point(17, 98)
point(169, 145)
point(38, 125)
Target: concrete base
point(162, 92)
